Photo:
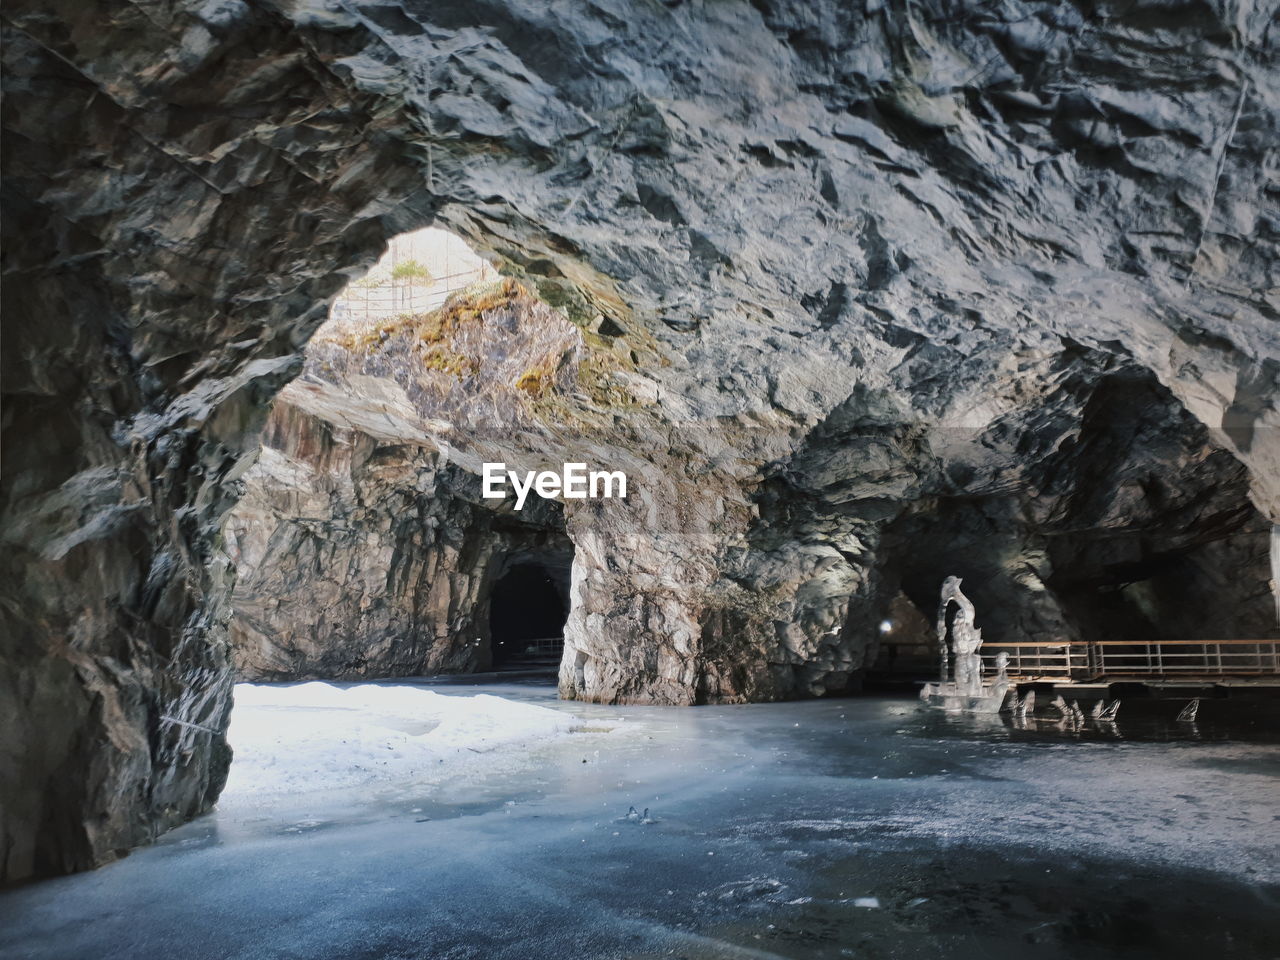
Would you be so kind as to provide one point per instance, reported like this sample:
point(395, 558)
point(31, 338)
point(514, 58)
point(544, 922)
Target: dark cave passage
point(1104, 548)
point(527, 611)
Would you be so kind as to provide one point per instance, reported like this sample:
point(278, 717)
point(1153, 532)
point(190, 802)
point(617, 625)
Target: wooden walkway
point(1123, 659)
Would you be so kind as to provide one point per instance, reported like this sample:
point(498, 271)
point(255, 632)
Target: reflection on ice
point(1151, 719)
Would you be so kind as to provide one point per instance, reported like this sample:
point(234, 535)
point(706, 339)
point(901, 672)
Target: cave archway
point(528, 607)
point(1095, 544)
point(378, 533)
point(181, 205)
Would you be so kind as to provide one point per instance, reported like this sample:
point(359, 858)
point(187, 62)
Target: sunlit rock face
point(860, 264)
point(363, 547)
point(362, 558)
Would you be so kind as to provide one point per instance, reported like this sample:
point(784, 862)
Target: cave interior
point(854, 313)
point(529, 601)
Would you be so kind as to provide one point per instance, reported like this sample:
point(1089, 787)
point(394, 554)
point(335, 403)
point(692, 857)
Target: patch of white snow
point(297, 739)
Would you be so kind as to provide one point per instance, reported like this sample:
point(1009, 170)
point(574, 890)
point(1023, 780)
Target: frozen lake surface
point(834, 828)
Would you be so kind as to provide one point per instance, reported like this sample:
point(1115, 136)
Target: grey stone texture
point(894, 290)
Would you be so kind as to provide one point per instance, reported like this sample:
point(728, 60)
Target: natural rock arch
point(968, 200)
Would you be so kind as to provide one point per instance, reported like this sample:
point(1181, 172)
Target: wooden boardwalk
point(1112, 660)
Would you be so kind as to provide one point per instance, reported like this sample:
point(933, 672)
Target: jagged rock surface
point(853, 248)
point(362, 558)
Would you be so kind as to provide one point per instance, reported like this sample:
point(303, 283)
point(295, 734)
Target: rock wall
point(836, 248)
point(361, 558)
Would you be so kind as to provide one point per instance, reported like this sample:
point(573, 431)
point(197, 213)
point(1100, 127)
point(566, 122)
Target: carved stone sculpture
point(966, 638)
point(966, 692)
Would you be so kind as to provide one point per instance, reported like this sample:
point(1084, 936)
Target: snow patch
point(312, 737)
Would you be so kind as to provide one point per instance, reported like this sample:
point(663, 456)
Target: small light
point(886, 626)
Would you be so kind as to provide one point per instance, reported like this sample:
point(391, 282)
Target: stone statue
point(966, 639)
point(1274, 582)
point(966, 692)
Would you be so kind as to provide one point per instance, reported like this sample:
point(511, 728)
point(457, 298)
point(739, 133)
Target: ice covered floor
point(841, 828)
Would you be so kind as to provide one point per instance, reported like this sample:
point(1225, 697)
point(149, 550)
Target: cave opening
point(365, 549)
point(893, 260)
point(527, 612)
point(801, 270)
point(1104, 550)
point(360, 544)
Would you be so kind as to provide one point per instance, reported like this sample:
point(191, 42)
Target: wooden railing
point(1118, 659)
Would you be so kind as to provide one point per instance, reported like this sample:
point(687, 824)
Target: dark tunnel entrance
point(527, 612)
